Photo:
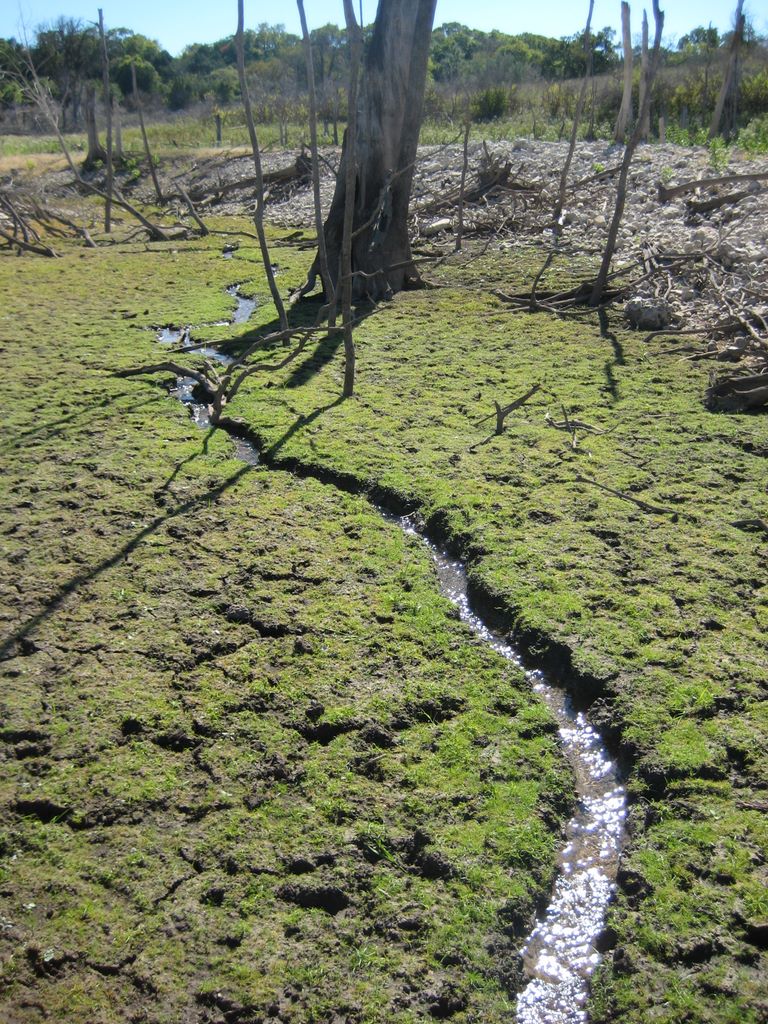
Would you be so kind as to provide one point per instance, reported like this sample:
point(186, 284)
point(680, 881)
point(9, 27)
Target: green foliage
point(147, 77)
point(490, 104)
point(719, 154)
point(753, 94)
point(223, 85)
point(700, 40)
point(183, 91)
point(754, 138)
point(687, 136)
point(462, 54)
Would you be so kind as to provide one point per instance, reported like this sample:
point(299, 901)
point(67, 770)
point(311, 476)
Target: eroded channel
point(560, 954)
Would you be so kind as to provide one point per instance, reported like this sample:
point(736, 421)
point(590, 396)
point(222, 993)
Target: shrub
point(754, 138)
point(753, 95)
point(490, 104)
point(182, 92)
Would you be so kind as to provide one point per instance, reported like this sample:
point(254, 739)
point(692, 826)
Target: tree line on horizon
point(483, 75)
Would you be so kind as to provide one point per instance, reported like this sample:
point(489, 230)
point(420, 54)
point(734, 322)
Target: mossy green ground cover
point(254, 768)
point(211, 661)
point(663, 615)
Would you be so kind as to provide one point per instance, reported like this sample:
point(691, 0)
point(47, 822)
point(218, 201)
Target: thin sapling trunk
point(621, 193)
point(108, 111)
point(464, 166)
point(147, 150)
point(624, 119)
point(355, 52)
point(259, 215)
point(325, 275)
point(576, 118)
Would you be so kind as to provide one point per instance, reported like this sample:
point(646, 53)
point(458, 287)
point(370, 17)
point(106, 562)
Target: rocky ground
point(721, 270)
point(725, 274)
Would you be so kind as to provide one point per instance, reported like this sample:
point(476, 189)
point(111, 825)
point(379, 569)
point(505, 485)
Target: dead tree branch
point(462, 186)
point(667, 192)
point(39, 250)
point(354, 35)
point(147, 150)
point(325, 274)
point(730, 79)
point(576, 118)
point(644, 505)
point(259, 214)
point(599, 287)
point(501, 413)
point(108, 109)
point(193, 213)
point(625, 111)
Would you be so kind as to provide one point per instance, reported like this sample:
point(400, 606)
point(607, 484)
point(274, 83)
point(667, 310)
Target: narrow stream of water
point(560, 953)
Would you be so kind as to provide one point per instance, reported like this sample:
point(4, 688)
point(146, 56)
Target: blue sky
point(176, 23)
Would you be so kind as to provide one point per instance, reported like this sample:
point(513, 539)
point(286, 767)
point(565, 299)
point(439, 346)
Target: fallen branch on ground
point(40, 250)
point(707, 205)
point(643, 505)
point(501, 414)
point(667, 192)
point(737, 394)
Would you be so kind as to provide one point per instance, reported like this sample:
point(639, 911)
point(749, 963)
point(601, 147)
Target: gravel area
point(729, 277)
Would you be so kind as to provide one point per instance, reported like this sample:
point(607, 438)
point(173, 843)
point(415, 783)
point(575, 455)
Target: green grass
point(187, 132)
point(162, 794)
point(663, 615)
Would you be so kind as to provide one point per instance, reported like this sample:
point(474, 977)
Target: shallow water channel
point(560, 954)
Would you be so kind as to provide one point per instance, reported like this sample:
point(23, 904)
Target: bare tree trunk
point(624, 119)
point(464, 165)
point(730, 84)
point(118, 132)
point(259, 215)
point(41, 97)
point(392, 97)
point(621, 192)
point(147, 150)
point(576, 117)
point(325, 276)
point(108, 110)
point(645, 123)
point(193, 212)
point(592, 102)
point(350, 174)
point(96, 152)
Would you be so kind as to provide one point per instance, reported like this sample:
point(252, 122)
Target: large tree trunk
point(96, 152)
point(392, 96)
